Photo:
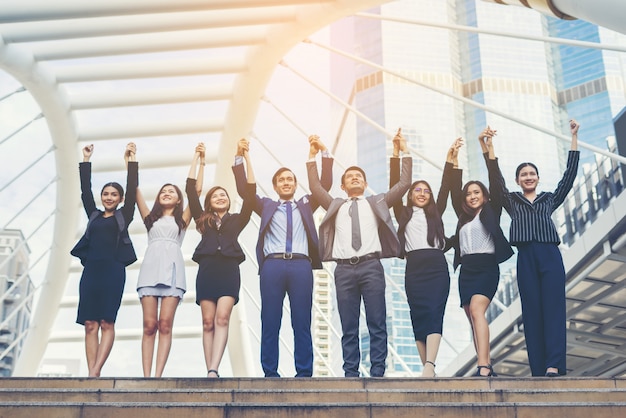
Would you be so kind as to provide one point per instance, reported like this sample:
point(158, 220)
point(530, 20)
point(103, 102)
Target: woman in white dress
point(162, 273)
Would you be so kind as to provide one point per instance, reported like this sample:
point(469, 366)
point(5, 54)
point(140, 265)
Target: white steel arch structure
point(52, 47)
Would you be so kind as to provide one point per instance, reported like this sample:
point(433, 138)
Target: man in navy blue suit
point(287, 251)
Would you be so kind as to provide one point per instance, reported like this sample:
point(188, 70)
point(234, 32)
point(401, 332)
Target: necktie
point(289, 239)
point(356, 226)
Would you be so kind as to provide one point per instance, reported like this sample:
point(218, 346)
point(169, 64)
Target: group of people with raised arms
point(356, 232)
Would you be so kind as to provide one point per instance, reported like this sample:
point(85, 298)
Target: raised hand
point(399, 143)
point(453, 151)
point(243, 146)
point(200, 149)
point(314, 145)
point(130, 151)
point(87, 152)
point(573, 126)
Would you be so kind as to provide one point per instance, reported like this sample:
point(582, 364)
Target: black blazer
point(489, 215)
point(404, 213)
point(225, 239)
point(125, 252)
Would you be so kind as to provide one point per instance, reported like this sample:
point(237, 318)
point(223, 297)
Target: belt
point(288, 256)
point(357, 259)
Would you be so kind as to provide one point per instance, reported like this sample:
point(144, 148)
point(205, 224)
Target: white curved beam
point(156, 22)
point(145, 43)
point(149, 127)
point(32, 10)
point(158, 68)
point(610, 14)
point(152, 96)
point(51, 99)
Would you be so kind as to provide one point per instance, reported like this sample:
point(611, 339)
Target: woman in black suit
point(421, 234)
point(218, 255)
point(104, 250)
point(480, 246)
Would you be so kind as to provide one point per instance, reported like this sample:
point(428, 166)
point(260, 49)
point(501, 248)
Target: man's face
point(286, 185)
point(354, 183)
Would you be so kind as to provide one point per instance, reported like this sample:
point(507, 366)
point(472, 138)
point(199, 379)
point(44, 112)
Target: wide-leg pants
point(541, 281)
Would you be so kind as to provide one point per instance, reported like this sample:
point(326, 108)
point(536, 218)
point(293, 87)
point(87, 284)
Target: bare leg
point(208, 308)
point(149, 306)
point(92, 330)
point(166, 321)
point(428, 353)
point(466, 308)
point(477, 308)
point(104, 349)
point(222, 318)
point(421, 349)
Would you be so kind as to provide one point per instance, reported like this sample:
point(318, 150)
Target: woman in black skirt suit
point(104, 250)
point(421, 234)
point(480, 246)
point(218, 255)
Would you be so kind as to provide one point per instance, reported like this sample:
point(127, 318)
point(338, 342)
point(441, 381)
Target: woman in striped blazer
point(540, 270)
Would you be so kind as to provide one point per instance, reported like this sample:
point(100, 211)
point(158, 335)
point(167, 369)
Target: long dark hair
point(209, 217)
point(435, 235)
point(469, 213)
point(157, 210)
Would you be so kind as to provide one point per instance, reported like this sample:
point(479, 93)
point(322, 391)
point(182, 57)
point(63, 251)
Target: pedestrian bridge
point(174, 72)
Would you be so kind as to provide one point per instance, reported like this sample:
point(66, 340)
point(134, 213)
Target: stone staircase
point(322, 397)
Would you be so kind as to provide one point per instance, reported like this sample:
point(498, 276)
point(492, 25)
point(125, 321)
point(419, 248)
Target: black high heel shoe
point(489, 367)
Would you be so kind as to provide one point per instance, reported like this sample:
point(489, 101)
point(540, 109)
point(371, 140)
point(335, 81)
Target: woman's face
point(168, 197)
point(421, 195)
point(528, 179)
point(111, 198)
point(475, 198)
point(220, 201)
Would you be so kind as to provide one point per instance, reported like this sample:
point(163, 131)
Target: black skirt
point(427, 285)
point(100, 291)
point(479, 275)
point(218, 276)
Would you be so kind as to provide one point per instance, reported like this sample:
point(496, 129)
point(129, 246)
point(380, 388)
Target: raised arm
point(86, 194)
point(567, 181)
point(194, 208)
point(399, 189)
point(497, 187)
point(132, 182)
point(144, 210)
point(451, 175)
point(319, 192)
point(394, 170)
point(573, 126)
point(499, 194)
point(315, 146)
point(195, 177)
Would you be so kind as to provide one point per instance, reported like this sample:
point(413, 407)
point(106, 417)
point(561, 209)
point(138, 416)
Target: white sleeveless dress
point(162, 271)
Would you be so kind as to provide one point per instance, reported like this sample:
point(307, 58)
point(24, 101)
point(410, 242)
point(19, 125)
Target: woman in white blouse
point(480, 246)
point(422, 239)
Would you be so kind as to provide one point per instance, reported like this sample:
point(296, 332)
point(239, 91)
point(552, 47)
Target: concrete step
point(341, 398)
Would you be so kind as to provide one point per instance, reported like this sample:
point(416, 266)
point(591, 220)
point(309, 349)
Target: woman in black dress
point(480, 246)
point(104, 250)
point(218, 255)
point(421, 234)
